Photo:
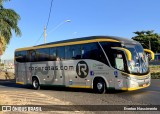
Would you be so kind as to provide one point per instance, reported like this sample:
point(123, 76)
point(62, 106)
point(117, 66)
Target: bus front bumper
point(136, 83)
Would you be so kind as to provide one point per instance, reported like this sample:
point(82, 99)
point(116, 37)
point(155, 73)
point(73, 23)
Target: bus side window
point(53, 54)
point(94, 52)
point(119, 63)
point(73, 52)
point(43, 54)
point(17, 56)
point(61, 53)
point(67, 52)
point(85, 51)
point(31, 56)
point(24, 56)
point(119, 60)
point(20, 56)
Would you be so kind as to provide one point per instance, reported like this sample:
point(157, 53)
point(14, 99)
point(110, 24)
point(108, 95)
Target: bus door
point(120, 65)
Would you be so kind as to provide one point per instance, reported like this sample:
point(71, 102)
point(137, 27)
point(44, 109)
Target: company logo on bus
point(82, 69)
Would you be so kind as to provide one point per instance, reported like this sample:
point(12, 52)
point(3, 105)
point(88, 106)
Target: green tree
point(148, 39)
point(8, 23)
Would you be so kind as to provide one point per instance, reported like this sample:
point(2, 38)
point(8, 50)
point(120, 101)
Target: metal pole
point(45, 34)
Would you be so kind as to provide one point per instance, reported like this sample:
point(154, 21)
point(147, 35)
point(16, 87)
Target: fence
point(154, 63)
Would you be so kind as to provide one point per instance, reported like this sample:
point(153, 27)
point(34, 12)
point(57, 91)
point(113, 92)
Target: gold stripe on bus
point(67, 43)
point(74, 86)
point(134, 88)
point(22, 83)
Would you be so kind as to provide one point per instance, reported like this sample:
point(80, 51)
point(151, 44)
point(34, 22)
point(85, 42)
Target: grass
point(155, 75)
point(155, 71)
point(8, 75)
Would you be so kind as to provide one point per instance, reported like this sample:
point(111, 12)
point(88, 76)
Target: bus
point(96, 62)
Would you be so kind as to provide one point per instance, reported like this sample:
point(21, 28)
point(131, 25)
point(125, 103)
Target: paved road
point(150, 95)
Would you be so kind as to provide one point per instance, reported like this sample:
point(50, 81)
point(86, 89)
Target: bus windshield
point(139, 62)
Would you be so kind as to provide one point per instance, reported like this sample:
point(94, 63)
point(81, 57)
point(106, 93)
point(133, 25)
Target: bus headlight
point(125, 75)
point(132, 78)
point(129, 78)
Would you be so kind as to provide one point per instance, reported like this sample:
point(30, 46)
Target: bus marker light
point(91, 73)
point(116, 73)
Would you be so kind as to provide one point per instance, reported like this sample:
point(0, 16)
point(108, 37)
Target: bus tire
point(35, 83)
point(100, 86)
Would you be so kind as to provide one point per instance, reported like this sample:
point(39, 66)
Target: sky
point(87, 18)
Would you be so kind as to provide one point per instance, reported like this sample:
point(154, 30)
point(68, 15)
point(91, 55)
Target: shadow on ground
point(10, 83)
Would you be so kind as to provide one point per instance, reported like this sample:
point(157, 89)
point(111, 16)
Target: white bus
point(96, 62)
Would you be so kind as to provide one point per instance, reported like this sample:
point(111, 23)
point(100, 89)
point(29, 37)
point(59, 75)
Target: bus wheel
point(100, 86)
point(35, 84)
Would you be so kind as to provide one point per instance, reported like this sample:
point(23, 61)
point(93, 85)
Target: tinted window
point(31, 56)
point(73, 52)
point(107, 48)
point(20, 56)
point(86, 48)
point(43, 54)
point(119, 61)
point(67, 53)
point(93, 51)
point(107, 45)
point(60, 53)
point(53, 54)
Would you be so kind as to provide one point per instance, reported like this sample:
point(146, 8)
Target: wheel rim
point(35, 84)
point(99, 86)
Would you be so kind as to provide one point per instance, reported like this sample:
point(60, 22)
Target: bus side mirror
point(128, 53)
point(150, 54)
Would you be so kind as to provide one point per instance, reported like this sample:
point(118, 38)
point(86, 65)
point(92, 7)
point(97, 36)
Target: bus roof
point(85, 40)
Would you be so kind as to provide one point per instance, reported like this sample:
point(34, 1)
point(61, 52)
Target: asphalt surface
point(146, 96)
point(150, 95)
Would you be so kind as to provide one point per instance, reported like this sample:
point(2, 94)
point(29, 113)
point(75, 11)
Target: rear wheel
point(35, 84)
point(100, 86)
